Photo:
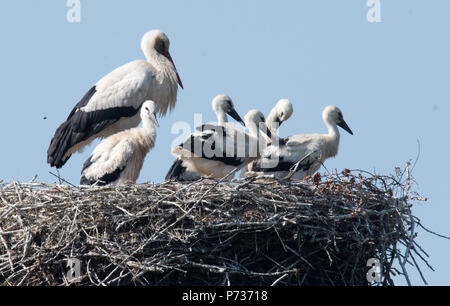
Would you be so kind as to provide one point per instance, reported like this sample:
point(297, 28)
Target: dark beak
point(344, 125)
point(279, 122)
point(167, 54)
point(263, 128)
point(232, 112)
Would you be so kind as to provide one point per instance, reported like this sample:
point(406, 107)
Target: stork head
point(283, 110)
point(157, 41)
point(333, 115)
point(223, 103)
point(255, 120)
point(148, 112)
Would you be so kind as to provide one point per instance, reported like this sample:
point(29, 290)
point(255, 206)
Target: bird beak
point(232, 112)
point(167, 54)
point(263, 128)
point(279, 122)
point(155, 120)
point(344, 125)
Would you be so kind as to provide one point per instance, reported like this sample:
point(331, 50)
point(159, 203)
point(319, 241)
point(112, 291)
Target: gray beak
point(232, 112)
point(345, 126)
point(155, 120)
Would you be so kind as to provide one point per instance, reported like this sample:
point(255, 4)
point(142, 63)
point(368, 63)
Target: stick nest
point(257, 231)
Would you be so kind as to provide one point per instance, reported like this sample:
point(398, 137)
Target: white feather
point(124, 151)
point(312, 150)
point(237, 145)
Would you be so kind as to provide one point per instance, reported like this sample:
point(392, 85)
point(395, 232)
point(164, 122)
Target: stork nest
point(256, 231)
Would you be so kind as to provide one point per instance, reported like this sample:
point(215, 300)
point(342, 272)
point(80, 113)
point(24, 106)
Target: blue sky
point(391, 80)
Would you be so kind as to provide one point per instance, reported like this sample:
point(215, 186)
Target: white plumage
point(217, 150)
point(113, 104)
point(281, 112)
point(182, 170)
point(310, 150)
point(118, 159)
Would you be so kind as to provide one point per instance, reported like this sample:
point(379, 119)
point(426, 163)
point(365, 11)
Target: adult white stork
point(118, 159)
point(112, 105)
point(281, 112)
point(217, 150)
point(302, 153)
point(222, 105)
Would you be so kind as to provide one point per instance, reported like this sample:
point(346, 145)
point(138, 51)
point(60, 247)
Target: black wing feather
point(104, 180)
point(205, 139)
point(81, 125)
point(176, 171)
point(281, 166)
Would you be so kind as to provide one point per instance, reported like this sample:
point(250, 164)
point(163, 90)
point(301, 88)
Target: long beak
point(236, 116)
point(279, 122)
point(345, 126)
point(155, 120)
point(263, 128)
point(167, 54)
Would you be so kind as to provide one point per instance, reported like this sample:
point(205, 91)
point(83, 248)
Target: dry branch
point(251, 232)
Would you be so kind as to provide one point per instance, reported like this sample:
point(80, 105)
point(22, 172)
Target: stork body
point(183, 170)
point(113, 103)
point(309, 151)
point(281, 112)
point(118, 159)
point(217, 150)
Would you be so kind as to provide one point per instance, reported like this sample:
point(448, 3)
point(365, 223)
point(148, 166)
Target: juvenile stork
point(118, 159)
point(215, 151)
point(281, 112)
point(302, 153)
point(113, 103)
point(222, 105)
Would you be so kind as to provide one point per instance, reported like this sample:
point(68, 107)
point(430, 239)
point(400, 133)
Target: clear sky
point(391, 80)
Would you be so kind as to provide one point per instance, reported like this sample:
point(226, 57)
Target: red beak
point(167, 54)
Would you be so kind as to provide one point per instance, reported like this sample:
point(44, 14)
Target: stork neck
point(151, 55)
point(332, 139)
point(253, 128)
point(147, 126)
point(147, 131)
point(272, 122)
point(158, 61)
point(332, 129)
point(221, 117)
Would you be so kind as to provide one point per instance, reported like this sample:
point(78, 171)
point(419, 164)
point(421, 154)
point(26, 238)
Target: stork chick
point(304, 153)
point(118, 159)
point(222, 106)
point(217, 150)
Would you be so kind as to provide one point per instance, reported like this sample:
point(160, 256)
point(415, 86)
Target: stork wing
point(193, 145)
point(298, 140)
point(226, 144)
point(107, 161)
point(294, 151)
point(119, 94)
